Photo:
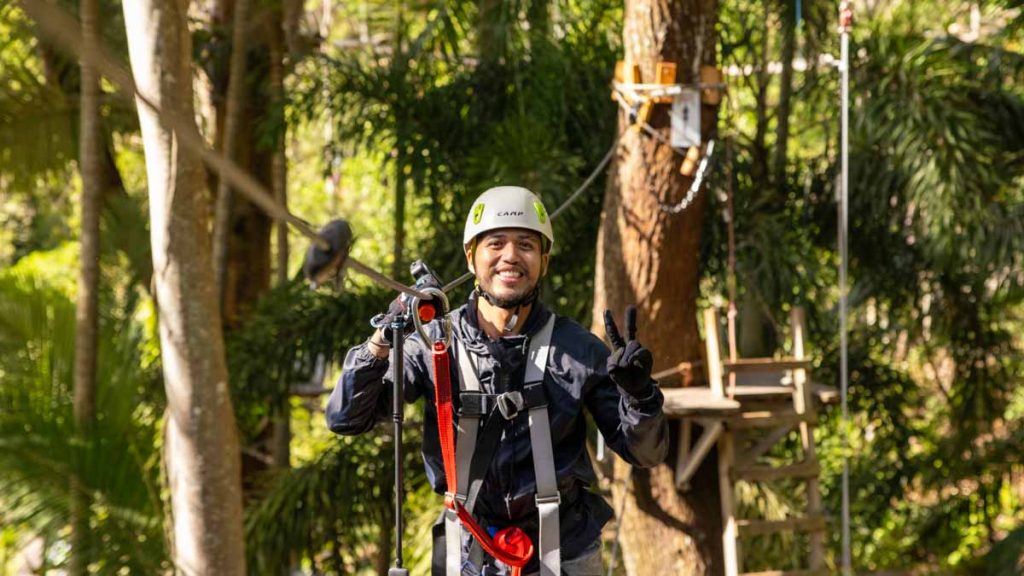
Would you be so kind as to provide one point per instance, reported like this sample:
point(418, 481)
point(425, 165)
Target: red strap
point(443, 401)
point(511, 546)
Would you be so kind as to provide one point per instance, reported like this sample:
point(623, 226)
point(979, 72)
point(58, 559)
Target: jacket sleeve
point(635, 429)
point(362, 396)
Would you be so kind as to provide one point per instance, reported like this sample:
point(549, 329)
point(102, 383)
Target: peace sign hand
point(629, 365)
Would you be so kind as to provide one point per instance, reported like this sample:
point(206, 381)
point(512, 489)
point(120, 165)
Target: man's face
point(508, 262)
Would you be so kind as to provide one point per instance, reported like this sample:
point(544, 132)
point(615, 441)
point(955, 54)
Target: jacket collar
point(467, 328)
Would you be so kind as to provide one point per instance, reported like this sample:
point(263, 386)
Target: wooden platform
point(697, 401)
point(701, 401)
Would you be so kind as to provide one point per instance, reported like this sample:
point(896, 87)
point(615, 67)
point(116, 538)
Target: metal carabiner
point(446, 321)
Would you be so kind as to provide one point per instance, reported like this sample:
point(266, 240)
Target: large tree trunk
point(201, 444)
point(90, 164)
point(650, 257)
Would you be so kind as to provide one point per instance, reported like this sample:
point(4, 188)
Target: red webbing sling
point(511, 545)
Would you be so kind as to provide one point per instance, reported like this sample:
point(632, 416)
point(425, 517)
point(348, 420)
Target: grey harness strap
point(465, 445)
point(547, 497)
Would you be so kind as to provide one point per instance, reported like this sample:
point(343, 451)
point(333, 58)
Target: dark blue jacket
point(575, 379)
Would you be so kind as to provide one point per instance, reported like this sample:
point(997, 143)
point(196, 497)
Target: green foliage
point(935, 206)
point(289, 340)
point(336, 513)
point(447, 98)
point(537, 114)
point(116, 466)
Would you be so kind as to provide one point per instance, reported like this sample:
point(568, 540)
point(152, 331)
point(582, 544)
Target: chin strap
point(517, 304)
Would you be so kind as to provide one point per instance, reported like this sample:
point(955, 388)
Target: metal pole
point(845, 21)
point(398, 415)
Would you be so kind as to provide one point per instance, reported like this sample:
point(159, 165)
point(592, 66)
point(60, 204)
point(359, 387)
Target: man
point(515, 406)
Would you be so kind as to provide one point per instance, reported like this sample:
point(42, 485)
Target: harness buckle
point(509, 404)
point(556, 499)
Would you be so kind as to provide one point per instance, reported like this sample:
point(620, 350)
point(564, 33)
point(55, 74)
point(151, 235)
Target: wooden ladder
point(780, 399)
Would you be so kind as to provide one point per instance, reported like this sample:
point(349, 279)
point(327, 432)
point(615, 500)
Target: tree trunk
point(90, 164)
point(201, 444)
point(279, 163)
point(118, 209)
point(649, 257)
point(785, 96)
point(282, 434)
point(234, 102)
point(247, 242)
point(759, 168)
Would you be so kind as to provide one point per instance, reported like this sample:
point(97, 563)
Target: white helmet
point(507, 207)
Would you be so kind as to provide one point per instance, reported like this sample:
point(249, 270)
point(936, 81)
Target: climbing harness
point(482, 419)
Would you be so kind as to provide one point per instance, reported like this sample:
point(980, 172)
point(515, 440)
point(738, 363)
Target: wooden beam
point(767, 419)
point(818, 572)
point(757, 473)
point(697, 401)
point(713, 348)
point(766, 442)
point(765, 364)
point(685, 469)
point(733, 562)
point(761, 527)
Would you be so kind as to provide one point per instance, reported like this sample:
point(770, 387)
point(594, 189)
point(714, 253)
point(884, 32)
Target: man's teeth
point(510, 274)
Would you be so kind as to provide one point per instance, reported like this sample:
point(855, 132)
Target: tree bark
point(248, 254)
point(282, 434)
point(201, 444)
point(234, 102)
point(279, 163)
point(785, 96)
point(649, 257)
point(90, 164)
point(117, 206)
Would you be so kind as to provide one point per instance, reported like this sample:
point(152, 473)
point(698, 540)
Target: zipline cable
point(64, 30)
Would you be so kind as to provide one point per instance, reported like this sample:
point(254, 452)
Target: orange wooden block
point(642, 115)
point(710, 77)
point(665, 72)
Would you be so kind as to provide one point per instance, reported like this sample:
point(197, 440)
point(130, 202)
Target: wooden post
point(730, 543)
point(712, 344)
point(803, 403)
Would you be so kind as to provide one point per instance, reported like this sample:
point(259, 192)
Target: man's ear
point(544, 260)
point(470, 252)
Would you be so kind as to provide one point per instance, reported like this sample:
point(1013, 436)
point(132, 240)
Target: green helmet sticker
point(478, 213)
point(542, 214)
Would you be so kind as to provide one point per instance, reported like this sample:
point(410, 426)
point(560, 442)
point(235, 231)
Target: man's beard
point(510, 302)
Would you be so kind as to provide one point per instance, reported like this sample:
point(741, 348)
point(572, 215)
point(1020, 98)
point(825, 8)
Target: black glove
point(397, 308)
point(630, 364)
